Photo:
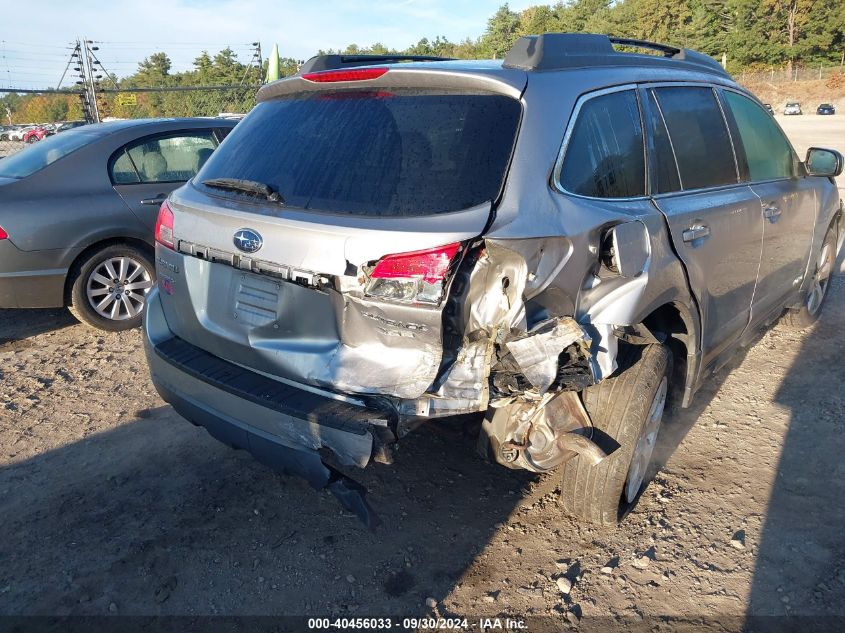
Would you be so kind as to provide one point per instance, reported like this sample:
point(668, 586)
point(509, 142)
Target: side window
point(699, 136)
point(768, 153)
point(605, 154)
point(123, 171)
point(172, 158)
point(665, 167)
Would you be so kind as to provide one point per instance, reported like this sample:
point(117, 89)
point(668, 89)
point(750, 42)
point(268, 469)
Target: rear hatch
point(338, 277)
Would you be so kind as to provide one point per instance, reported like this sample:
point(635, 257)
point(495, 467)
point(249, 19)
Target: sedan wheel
point(110, 287)
point(118, 287)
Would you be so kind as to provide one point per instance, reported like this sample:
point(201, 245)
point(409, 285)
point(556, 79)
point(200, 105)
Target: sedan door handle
point(771, 211)
point(695, 232)
point(157, 200)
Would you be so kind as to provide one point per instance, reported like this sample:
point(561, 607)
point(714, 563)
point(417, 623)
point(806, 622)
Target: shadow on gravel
point(800, 564)
point(156, 517)
point(18, 325)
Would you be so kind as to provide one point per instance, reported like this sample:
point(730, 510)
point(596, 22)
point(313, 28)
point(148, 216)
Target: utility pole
point(74, 54)
point(87, 66)
point(256, 59)
point(82, 72)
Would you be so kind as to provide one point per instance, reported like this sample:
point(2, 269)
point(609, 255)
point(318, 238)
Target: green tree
point(155, 69)
point(502, 31)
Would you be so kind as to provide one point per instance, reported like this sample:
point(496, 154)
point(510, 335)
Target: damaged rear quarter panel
point(560, 272)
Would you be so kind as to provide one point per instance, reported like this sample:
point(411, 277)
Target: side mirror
point(823, 162)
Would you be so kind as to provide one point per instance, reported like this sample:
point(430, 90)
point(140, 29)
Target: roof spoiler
point(558, 51)
point(334, 62)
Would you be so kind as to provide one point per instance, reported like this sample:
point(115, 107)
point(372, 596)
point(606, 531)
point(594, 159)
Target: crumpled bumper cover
point(287, 426)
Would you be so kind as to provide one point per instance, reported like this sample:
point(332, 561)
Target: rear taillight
point(418, 276)
point(164, 226)
point(3, 234)
point(350, 74)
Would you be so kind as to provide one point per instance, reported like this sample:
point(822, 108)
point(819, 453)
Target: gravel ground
point(112, 503)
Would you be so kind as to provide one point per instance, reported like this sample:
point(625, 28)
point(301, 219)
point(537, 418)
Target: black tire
point(83, 279)
point(809, 312)
point(619, 407)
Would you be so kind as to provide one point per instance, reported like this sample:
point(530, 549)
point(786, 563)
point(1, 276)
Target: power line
point(30, 44)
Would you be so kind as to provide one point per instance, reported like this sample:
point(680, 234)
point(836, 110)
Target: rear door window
point(172, 158)
point(767, 152)
point(605, 156)
point(123, 172)
point(699, 136)
point(402, 152)
point(666, 174)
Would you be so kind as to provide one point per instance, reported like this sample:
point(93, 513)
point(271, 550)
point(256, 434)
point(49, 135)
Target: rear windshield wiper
point(246, 186)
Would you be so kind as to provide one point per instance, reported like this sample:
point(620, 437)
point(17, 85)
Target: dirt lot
point(111, 503)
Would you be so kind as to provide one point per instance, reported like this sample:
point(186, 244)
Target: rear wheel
point(814, 299)
point(626, 408)
point(110, 288)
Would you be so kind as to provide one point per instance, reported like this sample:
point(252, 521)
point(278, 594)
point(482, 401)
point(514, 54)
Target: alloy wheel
point(821, 279)
point(645, 444)
point(117, 288)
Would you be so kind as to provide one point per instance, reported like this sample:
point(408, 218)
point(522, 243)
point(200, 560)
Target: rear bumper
point(27, 279)
point(281, 425)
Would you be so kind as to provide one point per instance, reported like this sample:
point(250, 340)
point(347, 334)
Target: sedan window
point(38, 155)
point(173, 158)
point(123, 171)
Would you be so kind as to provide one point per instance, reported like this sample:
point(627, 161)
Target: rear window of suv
point(373, 153)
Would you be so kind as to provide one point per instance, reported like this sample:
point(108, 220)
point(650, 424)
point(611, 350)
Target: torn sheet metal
point(539, 436)
point(538, 351)
point(603, 349)
point(493, 303)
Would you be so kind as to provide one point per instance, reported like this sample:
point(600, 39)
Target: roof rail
point(557, 51)
point(334, 62)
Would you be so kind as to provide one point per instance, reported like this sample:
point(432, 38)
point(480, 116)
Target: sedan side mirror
point(823, 162)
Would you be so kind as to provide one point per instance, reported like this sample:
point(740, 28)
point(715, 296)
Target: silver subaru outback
point(558, 243)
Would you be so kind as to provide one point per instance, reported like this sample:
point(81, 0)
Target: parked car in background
point(826, 108)
point(15, 133)
point(769, 108)
point(792, 108)
point(69, 125)
point(35, 134)
point(380, 244)
point(78, 210)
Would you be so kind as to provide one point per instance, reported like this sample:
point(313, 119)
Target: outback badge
point(247, 240)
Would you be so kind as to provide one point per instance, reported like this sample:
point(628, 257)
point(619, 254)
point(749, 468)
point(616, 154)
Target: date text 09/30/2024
point(418, 624)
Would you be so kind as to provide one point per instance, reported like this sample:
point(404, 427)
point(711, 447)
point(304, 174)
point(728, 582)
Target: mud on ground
point(112, 503)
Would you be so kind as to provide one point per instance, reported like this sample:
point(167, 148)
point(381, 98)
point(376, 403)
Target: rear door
point(769, 164)
point(715, 221)
point(145, 171)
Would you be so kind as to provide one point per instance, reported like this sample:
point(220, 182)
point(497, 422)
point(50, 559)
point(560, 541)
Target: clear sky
point(33, 52)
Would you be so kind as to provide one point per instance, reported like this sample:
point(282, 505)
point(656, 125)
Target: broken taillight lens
point(164, 226)
point(418, 276)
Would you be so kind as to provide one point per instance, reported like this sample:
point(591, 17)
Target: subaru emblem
point(247, 240)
